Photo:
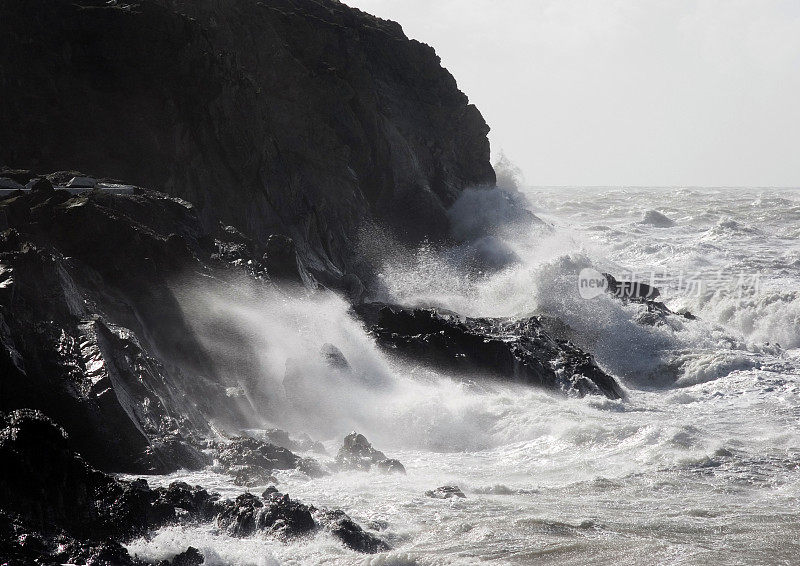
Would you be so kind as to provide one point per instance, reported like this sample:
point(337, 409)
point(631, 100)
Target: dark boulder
point(513, 349)
point(251, 462)
point(446, 492)
point(631, 290)
point(189, 557)
point(637, 292)
point(280, 516)
point(357, 453)
point(340, 525)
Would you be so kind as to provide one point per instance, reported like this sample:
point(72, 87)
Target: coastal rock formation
point(518, 350)
point(56, 508)
point(643, 294)
point(357, 453)
point(91, 332)
point(446, 492)
point(304, 118)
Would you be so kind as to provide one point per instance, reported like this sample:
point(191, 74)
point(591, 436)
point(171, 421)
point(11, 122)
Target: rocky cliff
point(300, 117)
point(94, 330)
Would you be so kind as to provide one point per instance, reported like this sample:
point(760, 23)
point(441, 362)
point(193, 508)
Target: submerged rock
point(340, 525)
point(657, 219)
point(446, 492)
point(357, 453)
point(521, 350)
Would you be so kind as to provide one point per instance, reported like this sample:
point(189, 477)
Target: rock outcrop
point(56, 508)
point(446, 492)
point(92, 334)
point(644, 294)
point(304, 118)
point(518, 350)
point(357, 453)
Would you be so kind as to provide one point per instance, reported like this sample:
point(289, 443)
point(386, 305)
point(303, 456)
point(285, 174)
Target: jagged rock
point(642, 293)
point(88, 314)
point(82, 183)
point(631, 290)
point(251, 462)
point(357, 453)
point(189, 557)
point(334, 357)
point(277, 116)
point(280, 516)
point(282, 263)
point(278, 437)
point(349, 532)
point(55, 508)
point(446, 492)
point(520, 350)
point(390, 466)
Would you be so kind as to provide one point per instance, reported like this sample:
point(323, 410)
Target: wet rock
point(282, 263)
point(390, 466)
point(189, 557)
point(269, 491)
point(311, 468)
point(93, 333)
point(521, 350)
point(280, 516)
point(631, 290)
point(446, 492)
point(657, 219)
point(644, 294)
point(357, 453)
point(278, 437)
point(349, 532)
point(334, 357)
point(251, 462)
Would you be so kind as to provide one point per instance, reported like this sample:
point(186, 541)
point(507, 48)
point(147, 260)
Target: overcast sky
point(625, 92)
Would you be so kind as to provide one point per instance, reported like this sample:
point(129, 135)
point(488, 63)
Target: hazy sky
point(625, 92)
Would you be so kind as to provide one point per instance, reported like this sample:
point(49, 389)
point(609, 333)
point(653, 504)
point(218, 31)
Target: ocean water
point(699, 465)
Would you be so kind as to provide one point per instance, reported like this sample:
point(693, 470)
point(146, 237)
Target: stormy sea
point(270, 297)
point(698, 464)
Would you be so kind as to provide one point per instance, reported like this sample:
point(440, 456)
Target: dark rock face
point(357, 453)
point(56, 508)
point(519, 350)
point(87, 314)
point(349, 532)
point(302, 118)
point(280, 516)
point(251, 462)
point(446, 492)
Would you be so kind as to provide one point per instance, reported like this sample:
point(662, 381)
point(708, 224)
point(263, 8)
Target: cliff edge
point(306, 118)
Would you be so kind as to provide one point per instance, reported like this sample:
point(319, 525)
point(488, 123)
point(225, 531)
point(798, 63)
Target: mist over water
point(701, 464)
